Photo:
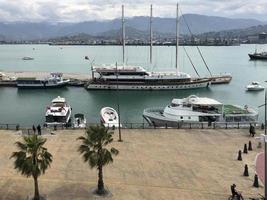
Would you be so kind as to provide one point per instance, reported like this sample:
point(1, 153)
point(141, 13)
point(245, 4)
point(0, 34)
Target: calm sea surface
point(27, 107)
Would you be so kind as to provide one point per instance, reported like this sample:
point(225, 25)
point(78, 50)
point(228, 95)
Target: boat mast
point(151, 34)
point(123, 36)
point(177, 38)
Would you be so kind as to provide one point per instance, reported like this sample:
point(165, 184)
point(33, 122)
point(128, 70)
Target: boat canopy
point(195, 100)
point(59, 100)
point(79, 115)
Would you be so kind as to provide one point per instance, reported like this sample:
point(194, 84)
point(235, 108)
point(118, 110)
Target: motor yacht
point(198, 109)
point(58, 112)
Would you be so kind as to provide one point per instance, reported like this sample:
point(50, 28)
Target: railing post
point(131, 125)
point(17, 127)
point(190, 125)
point(166, 126)
point(143, 125)
point(226, 125)
point(214, 125)
point(238, 125)
point(6, 126)
point(201, 125)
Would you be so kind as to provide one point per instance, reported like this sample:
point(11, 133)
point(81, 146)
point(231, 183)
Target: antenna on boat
point(118, 104)
point(177, 37)
point(123, 35)
point(151, 34)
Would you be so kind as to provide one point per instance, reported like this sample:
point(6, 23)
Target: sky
point(87, 10)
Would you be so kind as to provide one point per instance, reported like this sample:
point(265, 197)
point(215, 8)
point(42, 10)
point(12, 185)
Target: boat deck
point(231, 109)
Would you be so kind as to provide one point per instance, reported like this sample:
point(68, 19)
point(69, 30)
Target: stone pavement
point(152, 164)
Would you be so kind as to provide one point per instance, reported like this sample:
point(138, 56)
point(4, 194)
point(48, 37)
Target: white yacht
point(58, 112)
point(109, 117)
point(137, 78)
point(255, 86)
point(198, 109)
point(54, 81)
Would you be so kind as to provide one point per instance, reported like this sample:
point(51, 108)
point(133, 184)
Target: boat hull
point(187, 86)
point(41, 85)
point(257, 57)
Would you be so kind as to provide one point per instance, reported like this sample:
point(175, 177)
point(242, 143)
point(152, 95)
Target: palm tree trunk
point(100, 186)
point(36, 189)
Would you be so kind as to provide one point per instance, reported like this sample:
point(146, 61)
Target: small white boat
point(255, 86)
point(79, 121)
point(27, 58)
point(109, 117)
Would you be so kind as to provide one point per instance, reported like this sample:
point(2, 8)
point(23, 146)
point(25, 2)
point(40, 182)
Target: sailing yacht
point(137, 78)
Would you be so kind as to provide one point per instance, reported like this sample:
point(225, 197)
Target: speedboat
point(255, 86)
point(79, 121)
point(58, 112)
point(27, 58)
point(109, 117)
point(198, 109)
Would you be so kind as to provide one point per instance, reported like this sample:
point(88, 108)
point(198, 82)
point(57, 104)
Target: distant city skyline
point(87, 10)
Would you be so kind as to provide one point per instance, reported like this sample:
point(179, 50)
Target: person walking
point(34, 129)
point(39, 129)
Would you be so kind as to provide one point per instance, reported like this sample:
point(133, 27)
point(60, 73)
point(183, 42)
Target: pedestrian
point(39, 129)
point(250, 130)
point(253, 132)
point(34, 129)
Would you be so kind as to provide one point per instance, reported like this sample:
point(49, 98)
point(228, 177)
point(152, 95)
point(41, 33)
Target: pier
point(12, 75)
point(152, 164)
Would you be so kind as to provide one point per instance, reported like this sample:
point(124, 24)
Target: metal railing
point(144, 125)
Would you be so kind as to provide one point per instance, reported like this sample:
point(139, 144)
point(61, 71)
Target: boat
point(76, 83)
point(258, 56)
point(54, 81)
point(109, 117)
point(27, 58)
point(79, 121)
point(58, 112)
point(126, 77)
point(194, 109)
point(255, 86)
point(137, 78)
point(220, 79)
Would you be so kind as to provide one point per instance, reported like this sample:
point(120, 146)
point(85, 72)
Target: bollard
point(17, 127)
point(239, 155)
point(256, 181)
point(259, 145)
point(237, 125)
point(55, 127)
point(262, 126)
point(245, 150)
point(249, 146)
point(246, 170)
point(166, 126)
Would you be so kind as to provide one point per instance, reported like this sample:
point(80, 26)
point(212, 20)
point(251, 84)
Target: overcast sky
point(83, 10)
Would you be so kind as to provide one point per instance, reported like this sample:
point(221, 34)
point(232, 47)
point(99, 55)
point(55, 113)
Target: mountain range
point(198, 24)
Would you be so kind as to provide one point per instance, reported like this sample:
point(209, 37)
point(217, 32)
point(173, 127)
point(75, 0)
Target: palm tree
point(32, 159)
point(94, 151)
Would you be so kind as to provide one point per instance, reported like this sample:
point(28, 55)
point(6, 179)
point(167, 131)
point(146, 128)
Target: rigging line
point(190, 61)
point(196, 45)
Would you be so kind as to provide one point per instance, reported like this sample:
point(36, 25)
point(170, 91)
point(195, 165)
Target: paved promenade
point(152, 164)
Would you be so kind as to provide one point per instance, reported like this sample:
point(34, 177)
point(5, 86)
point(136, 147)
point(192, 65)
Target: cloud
point(83, 10)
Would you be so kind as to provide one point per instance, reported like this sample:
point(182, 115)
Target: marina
point(70, 61)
